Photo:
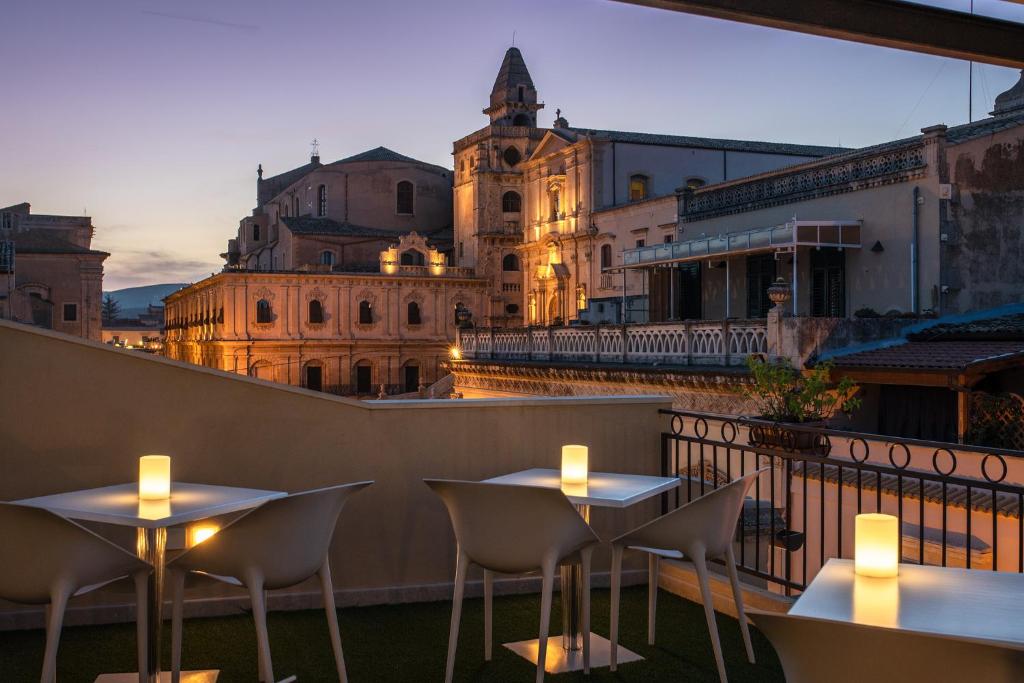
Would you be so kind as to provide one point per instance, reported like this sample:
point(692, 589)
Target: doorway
point(364, 383)
point(412, 378)
point(314, 377)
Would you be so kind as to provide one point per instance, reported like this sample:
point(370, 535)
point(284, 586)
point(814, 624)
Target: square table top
point(120, 504)
point(603, 489)
point(947, 601)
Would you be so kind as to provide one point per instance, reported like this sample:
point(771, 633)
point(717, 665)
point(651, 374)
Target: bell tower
point(513, 97)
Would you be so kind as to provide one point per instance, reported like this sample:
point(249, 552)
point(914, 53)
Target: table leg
point(151, 546)
point(572, 598)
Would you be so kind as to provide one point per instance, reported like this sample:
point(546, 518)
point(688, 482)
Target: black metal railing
point(950, 499)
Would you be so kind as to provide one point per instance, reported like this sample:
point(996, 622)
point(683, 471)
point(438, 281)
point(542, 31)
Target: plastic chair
point(699, 531)
point(277, 545)
point(813, 650)
point(48, 559)
point(514, 530)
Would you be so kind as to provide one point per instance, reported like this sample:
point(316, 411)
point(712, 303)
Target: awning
point(786, 237)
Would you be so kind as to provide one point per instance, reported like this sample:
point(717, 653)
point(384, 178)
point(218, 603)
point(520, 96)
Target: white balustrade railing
point(698, 342)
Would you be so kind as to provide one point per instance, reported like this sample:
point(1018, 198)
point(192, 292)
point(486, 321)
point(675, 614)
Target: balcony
point(699, 342)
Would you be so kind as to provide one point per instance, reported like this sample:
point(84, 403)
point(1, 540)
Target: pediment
point(549, 144)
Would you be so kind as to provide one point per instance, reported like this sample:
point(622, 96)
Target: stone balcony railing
point(697, 342)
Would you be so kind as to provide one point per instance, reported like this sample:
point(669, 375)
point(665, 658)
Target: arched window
point(255, 233)
point(284, 210)
point(695, 183)
point(412, 257)
point(511, 156)
point(510, 262)
point(316, 311)
point(327, 258)
point(637, 187)
point(365, 313)
point(404, 198)
point(321, 201)
point(413, 311)
point(264, 314)
point(521, 120)
point(511, 202)
point(555, 204)
point(606, 256)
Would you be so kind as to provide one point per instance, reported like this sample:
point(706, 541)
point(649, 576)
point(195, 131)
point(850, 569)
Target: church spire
point(513, 98)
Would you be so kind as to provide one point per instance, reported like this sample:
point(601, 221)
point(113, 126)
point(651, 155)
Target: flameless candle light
point(574, 464)
point(876, 545)
point(155, 477)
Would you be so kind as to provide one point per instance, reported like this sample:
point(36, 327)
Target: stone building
point(50, 275)
point(535, 208)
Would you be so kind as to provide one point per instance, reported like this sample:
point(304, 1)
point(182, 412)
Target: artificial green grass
point(407, 643)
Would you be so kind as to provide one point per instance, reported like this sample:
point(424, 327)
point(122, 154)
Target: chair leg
point(58, 602)
point(737, 596)
point(141, 621)
point(652, 595)
point(615, 591)
point(327, 587)
point(461, 567)
point(488, 614)
point(547, 586)
point(259, 615)
point(586, 556)
point(700, 564)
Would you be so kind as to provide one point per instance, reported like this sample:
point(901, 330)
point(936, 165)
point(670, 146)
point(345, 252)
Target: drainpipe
point(913, 252)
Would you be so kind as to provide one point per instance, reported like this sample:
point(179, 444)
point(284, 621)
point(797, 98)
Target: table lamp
point(574, 464)
point(876, 545)
point(155, 477)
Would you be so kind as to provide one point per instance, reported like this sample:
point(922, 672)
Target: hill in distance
point(134, 300)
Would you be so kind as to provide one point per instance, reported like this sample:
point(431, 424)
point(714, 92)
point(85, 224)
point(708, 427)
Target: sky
point(152, 116)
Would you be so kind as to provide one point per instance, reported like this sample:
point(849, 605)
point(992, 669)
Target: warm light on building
point(574, 464)
point(198, 533)
point(455, 353)
point(876, 545)
point(154, 477)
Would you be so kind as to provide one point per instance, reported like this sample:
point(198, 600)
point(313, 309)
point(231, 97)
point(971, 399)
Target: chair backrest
point(40, 549)
point(815, 650)
point(285, 540)
point(511, 529)
point(708, 521)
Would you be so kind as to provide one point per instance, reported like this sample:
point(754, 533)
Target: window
point(365, 313)
point(412, 257)
point(555, 205)
point(510, 262)
point(828, 283)
point(637, 187)
point(255, 233)
point(606, 256)
point(70, 313)
point(511, 156)
point(404, 197)
point(521, 120)
point(413, 313)
point(327, 258)
point(639, 243)
point(264, 314)
point(760, 276)
point(462, 250)
point(6, 221)
point(316, 311)
point(521, 91)
point(321, 201)
point(695, 183)
point(295, 205)
point(511, 202)
point(667, 239)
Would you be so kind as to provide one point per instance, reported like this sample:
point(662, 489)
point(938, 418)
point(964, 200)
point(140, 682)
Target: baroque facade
point(50, 275)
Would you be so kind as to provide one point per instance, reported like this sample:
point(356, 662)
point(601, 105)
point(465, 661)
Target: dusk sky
point(151, 117)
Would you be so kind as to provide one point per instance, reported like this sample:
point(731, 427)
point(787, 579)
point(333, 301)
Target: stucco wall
point(77, 414)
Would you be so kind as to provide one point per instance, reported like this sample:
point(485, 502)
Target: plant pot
point(788, 540)
point(780, 435)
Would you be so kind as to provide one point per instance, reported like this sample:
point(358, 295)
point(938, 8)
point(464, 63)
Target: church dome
point(1012, 100)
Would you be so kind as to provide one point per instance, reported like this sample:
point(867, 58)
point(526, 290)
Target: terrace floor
point(407, 643)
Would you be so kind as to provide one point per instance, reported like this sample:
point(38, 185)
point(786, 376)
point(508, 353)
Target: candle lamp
point(876, 545)
point(154, 477)
point(574, 464)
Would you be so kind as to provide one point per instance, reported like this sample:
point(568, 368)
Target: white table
point(120, 505)
point(603, 489)
point(945, 601)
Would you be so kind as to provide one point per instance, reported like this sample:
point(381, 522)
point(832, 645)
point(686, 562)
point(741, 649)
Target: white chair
point(699, 531)
point(514, 530)
point(47, 559)
point(277, 545)
point(813, 650)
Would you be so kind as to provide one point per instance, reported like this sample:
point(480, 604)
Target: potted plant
point(785, 396)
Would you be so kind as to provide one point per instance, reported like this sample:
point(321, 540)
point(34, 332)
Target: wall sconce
point(876, 545)
point(155, 477)
point(197, 533)
point(877, 247)
point(574, 464)
point(455, 353)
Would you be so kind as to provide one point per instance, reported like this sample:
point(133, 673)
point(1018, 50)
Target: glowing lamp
point(876, 545)
point(455, 353)
point(155, 477)
point(198, 533)
point(574, 464)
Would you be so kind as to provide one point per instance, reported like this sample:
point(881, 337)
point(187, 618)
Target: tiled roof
point(385, 154)
point(710, 143)
point(934, 355)
point(513, 72)
point(1004, 328)
point(308, 225)
point(43, 241)
point(268, 188)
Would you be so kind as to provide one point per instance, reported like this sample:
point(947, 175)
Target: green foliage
point(111, 309)
point(866, 313)
point(784, 394)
